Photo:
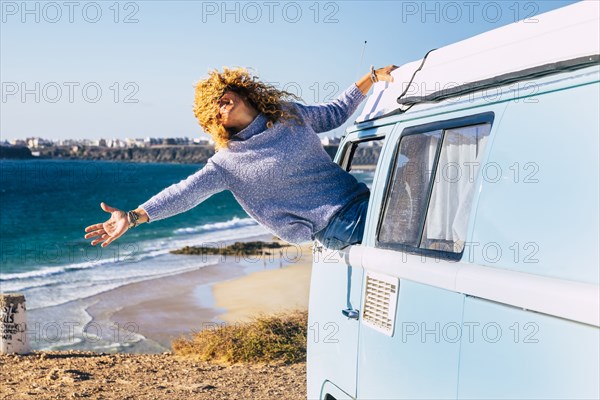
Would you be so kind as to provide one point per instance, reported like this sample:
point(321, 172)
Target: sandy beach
point(70, 375)
point(161, 310)
point(269, 291)
point(233, 290)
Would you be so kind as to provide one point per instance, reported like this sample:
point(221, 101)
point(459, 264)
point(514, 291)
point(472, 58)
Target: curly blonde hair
point(263, 97)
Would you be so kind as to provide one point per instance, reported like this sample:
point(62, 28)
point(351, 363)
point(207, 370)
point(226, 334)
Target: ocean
point(45, 206)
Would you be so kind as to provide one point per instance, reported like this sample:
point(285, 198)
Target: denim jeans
point(347, 225)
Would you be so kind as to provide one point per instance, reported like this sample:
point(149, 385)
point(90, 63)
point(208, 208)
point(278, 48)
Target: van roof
point(568, 38)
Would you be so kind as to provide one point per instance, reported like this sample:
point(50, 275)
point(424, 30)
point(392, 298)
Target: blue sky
point(107, 69)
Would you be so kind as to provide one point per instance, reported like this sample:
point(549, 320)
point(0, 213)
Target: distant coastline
point(15, 152)
point(185, 154)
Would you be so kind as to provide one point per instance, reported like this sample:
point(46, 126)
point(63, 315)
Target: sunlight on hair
point(264, 97)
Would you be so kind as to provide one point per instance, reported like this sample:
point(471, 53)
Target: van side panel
point(538, 207)
point(537, 213)
point(420, 361)
point(332, 338)
point(512, 353)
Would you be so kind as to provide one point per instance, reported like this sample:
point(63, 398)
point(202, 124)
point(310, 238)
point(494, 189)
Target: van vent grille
point(379, 308)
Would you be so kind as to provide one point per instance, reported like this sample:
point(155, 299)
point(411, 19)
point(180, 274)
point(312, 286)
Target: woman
point(270, 158)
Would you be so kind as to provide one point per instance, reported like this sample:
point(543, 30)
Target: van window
point(431, 187)
point(450, 203)
point(360, 159)
point(407, 198)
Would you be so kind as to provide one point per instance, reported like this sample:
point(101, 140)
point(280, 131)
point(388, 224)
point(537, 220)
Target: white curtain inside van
point(456, 174)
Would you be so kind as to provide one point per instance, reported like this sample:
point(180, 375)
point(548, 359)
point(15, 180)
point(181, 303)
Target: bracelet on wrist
point(373, 75)
point(133, 218)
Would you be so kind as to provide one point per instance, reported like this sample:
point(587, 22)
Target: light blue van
point(478, 275)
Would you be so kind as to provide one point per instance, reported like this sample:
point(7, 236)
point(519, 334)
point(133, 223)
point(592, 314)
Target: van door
point(335, 289)
point(411, 316)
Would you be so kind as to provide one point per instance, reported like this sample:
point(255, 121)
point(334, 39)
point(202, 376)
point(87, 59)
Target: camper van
point(478, 273)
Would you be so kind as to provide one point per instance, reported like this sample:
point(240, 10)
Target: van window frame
point(454, 123)
point(349, 146)
point(350, 149)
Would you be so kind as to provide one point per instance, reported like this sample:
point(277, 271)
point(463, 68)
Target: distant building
point(115, 143)
point(37, 142)
point(373, 143)
point(152, 141)
point(135, 142)
point(202, 141)
point(100, 143)
point(330, 141)
point(87, 142)
point(66, 142)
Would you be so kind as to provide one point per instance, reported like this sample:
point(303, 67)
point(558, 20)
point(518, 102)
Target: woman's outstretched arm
point(173, 200)
point(328, 116)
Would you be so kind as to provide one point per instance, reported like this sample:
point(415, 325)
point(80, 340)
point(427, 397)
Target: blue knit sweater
point(281, 176)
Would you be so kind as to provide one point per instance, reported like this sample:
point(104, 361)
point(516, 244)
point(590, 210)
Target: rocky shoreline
point(15, 153)
point(196, 154)
point(168, 154)
point(236, 249)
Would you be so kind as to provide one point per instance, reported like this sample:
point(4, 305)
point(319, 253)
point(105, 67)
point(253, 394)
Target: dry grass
point(268, 338)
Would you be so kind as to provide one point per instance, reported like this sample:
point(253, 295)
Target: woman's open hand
point(381, 74)
point(110, 230)
point(385, 73)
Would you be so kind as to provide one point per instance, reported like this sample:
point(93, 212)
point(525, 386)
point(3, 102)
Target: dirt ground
point(71, 374)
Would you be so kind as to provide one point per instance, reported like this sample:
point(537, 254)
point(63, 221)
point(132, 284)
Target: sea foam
point(54, 285)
